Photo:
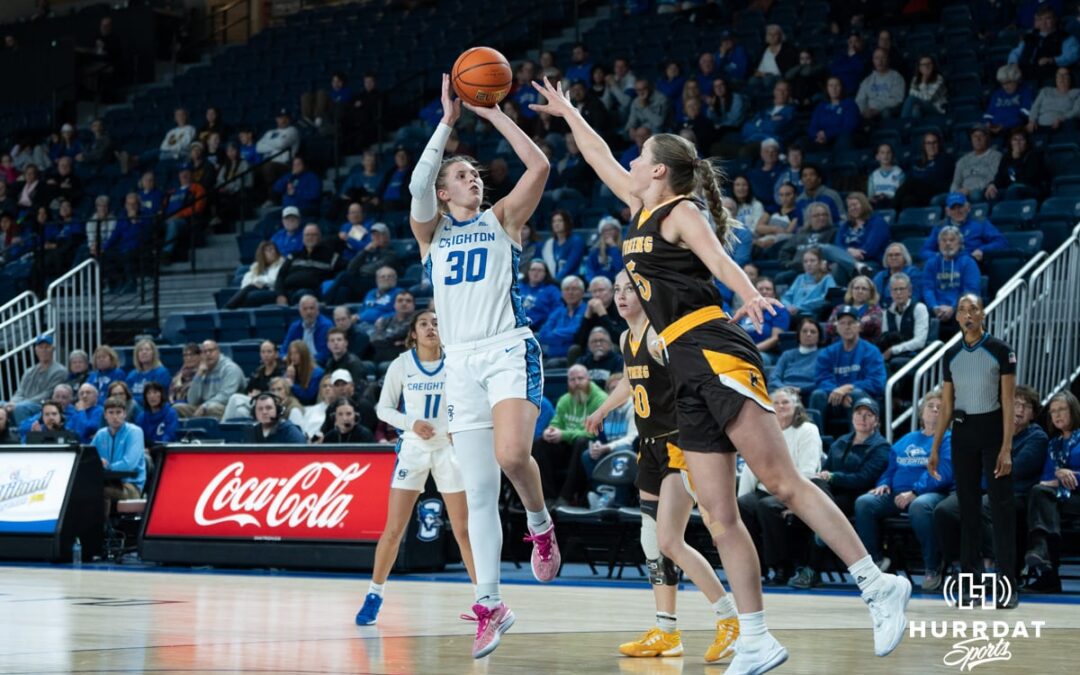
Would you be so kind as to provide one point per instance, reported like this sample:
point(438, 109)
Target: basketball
point(481, 76)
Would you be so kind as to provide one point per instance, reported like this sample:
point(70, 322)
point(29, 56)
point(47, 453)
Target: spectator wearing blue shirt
point(897, 259)
point(120, 252)
point(948, 275)
point(798, 367)
point(355, 233)
point(851, 65)
point(565, 250)
point(86, 416)
point(67, 145)
point(633, 151)
point(158, 420)
point(847, 370)
point(605, 256)
point(835, 120)
point(150, 197)
point(393, 191)
point(731, 59)
point(672, 81)
point(122, 449)
point(363, 180)
point(814, 190)
point(106, 369)
point(907, 487)
point(379, 301)
point(1045, 49)
point(1056, 494)
point(311, 328)
point(863, 236)
point(557, 333)
point(1010, 104)
point(248, 152)
point(706, 71)
point(764, 174)
point(775, 121)
point(806, 295)
point(580, 69)
point(289, 239)
point(539, 295)
point(300, 188)
point(147, 368)
point(302, 371)
point(980, 236)
point(792, 172)
point(768, 337)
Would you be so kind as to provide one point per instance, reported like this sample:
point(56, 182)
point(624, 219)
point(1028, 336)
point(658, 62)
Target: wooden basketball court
point(61, 620)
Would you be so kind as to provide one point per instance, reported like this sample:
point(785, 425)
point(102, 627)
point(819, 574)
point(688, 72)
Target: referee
point(980, 377)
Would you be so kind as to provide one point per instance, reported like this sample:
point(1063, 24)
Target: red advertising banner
point(272, 496)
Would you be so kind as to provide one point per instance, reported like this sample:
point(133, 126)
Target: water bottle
point(76, 554)
point(607, 495)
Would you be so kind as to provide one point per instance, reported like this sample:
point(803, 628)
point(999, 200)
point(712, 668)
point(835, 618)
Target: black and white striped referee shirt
point(976, 371)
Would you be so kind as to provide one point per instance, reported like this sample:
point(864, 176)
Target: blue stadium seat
point(1002, 266)
point(1022, 211)
point(199, 327)
point(172, 357)
point(234, 325)
point(1061, 207)
point(1055, 231)
point(928, 216)
point(1029, 243)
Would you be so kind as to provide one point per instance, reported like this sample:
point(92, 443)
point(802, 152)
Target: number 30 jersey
point(473, 267)
point(651, 388)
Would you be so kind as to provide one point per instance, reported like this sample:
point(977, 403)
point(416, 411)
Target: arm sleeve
point(424, 206)
point(387, 408)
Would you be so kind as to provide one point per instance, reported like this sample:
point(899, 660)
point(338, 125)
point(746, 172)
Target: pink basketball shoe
point(491, 623)
point(545, 555)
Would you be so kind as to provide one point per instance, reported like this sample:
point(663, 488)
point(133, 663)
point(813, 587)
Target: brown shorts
point(657, 459)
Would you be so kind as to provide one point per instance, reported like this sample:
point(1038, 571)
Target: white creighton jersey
point(473, 267)
point(415, 390)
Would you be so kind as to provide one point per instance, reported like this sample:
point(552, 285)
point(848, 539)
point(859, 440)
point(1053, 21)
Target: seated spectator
point(815, 191)
point(279, 145)
point(315, 414)
point(305, 271)
point(289, 239)
point(363, 181)
point(48, 427)
point(563, 441)
point(778, 226)
point(393, 191)
point(302, 372)
point(213, 124)
point(36, 383)
point(907, 322)
point(605, 256)
point(1045, 48)
point(300, 188)
point(897, 259)
point(147, 368)
point(63, 395)
point(819, 231)
point(66, 145)
point(1056, 495)
point(122, 250)
point(835, 119)
point(907, 487)
point(650, 109)
point(531, 246)
point(884, 181)
point(600, 312)
point(564, 251)
point(271, 427)
point(926, 175)
point(100, 225)
point(947, 276)
point(362, 403)
point(670, 84)
point(391, 330)
point(339, 357)
point(725, 108)
point(882, 92)
point(1022, 173)
point(775, 121)
point(86, 416)
point(979, 235)
point(1010, 105)
point(767, 338)
point(7, 434)
point(862, 237)
point(359, 277)
point(803, 442)
point(748, 210)
point(764, 174)
point(184, 205)
point(177, 140)
point(203, 170)
point(601, 358)
point(633, 151)
point(282, 388)
point(777, 58)
point(928, 93)
point(557, 333)
point(312, 328)
point(121, 447)
point(572, 172)
point(321, 105)
point(191, 359)
point(862, 296)
point(63, 183)
point(742, 245)
point(121, 391)
point(851, 65)
point(379, 301)
point(977, 169)
point(245, 138)
point(270, 366)
point(797, 368)
point(847, 370)
point(158, 421)
point(106, 369)
point(257, 286)
point(852, 466)
point(27, 151)
point(806, 295)
point(347, 427)
point(539, 295)
point(1054, 106)
point(216, 379)
point(78, 365)
point(150, 197)
point(354, 233)
point(807, 80)
point(618, 434)
point(731, 60)
point(346, 320)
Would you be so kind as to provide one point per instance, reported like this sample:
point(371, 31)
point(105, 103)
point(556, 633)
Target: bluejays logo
point(429, 514)
point(619, 466)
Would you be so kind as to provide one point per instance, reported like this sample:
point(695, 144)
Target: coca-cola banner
point(272, 496)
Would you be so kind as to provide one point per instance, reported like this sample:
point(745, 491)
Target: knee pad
point(663, 572)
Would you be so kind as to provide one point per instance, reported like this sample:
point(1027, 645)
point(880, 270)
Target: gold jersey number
point(641, 401)
point(643, 285)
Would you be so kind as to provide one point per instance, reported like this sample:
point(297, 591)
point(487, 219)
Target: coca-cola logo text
point(231, 497)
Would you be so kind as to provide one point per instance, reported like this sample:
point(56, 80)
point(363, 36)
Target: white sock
point(667, 622)
point(480, 472)
point(724, 607)
point(375, 588)
point(752, 626)
point(866, 573)
point(539, 521)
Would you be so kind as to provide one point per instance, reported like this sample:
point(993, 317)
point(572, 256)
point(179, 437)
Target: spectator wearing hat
point(36, 383)
point(731, 59)
point(66, 145)
point(300, 188)
point(312, 328)
point(279, 145)
point(977, 169)
point(306, 270)
point(345, 390)
point(177, 140)
point(359, 277)
point(289, 239)
point(980, 235)
point(184, 204)
point(949, 274)
point(847, 370)
point(882, 92)
point(1045, 48)
point(1010, 105)
point(605, 256)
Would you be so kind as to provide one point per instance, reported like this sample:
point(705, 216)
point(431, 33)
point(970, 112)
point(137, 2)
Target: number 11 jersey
point(473, 267)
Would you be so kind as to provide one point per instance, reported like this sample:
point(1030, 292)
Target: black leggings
point(976, 443)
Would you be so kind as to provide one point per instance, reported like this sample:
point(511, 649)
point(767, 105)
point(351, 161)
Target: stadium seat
point(1029, 243)
point(928, 216)
point(1061, 207)
point(199, 327)
point(1002, 266)
point(1055, 230)
point(234, 325)
point(1022, 211)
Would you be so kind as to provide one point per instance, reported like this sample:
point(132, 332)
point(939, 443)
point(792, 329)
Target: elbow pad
point(424, 205)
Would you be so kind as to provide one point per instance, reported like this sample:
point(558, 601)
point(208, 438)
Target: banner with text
point(32, 490)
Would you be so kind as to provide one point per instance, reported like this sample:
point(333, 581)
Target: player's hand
point(558, 101)
point(593, 423)
point(485, 113)
point(755, 308)
point(451, 107)
point(1003, 467)
point(423, 429)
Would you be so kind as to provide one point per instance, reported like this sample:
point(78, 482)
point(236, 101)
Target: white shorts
point(416, 461)
point(481, 374)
